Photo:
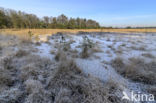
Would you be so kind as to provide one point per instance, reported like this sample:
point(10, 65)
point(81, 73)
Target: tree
point(71, 23)
point(2, 19)
point(17, 19)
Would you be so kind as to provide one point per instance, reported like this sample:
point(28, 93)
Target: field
point(91, 66)
point(54, 31)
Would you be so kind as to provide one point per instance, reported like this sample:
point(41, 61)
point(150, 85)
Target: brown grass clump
point(142, 48)
point(1, 48)
point(60, 55)
point(29, 72)
point(118, 63)
point(35, 68)
point(137, 70)
point(6, 63)
point(123, 45)
point(21, 53)
point(119, 50)
point(33, 86)
point(5, 78)
point(148, 55)
point(36, 92)
point(27, 75)
point(108, 39)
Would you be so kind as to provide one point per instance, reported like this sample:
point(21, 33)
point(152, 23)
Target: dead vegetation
point(148, 55)
point(141, 48)
point(54, 31)
point(71, 85)
point(28, 78)
point(21, 53)
point(88, 47)
point(39, 80)
point(138, 70)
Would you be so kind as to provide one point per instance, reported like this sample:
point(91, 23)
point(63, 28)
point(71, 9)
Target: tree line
point(16, 19)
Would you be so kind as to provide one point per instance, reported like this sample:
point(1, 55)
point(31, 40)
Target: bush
point(87, 45)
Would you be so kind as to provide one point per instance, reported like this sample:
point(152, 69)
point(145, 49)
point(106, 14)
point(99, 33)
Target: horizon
point(119, 13)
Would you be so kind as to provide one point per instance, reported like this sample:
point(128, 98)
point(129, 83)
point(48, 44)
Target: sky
point(116, 13)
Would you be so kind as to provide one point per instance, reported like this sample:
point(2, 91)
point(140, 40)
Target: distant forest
point(16, 19)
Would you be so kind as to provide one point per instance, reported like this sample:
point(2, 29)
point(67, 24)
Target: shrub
point(87, 45)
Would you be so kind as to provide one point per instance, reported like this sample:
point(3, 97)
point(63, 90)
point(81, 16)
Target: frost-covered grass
point(82, 68)
point(137, 70)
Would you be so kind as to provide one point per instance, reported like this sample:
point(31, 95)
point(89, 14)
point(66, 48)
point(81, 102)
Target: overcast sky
point(106, 12)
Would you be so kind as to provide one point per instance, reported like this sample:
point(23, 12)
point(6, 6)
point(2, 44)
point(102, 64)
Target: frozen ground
point(110, 46)
point(112, 59)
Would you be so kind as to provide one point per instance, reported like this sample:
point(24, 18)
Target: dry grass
point(60, 55)
point(148, 55)
point(70, 85)
point(142, 48)
point(33, 79)
point(137, 70)
point(28, 78)
point(54, 31)
point(119, 50)
point(21, 53)
point(1, 48)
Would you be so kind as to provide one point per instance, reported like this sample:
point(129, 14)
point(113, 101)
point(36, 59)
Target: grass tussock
point(60, 55)
point(138, 70)
point(39, 80)
point(21, 53)
point(141, 48)
point(70, 85)
point(1, 48)
point(5, 77)
point(148, 55)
